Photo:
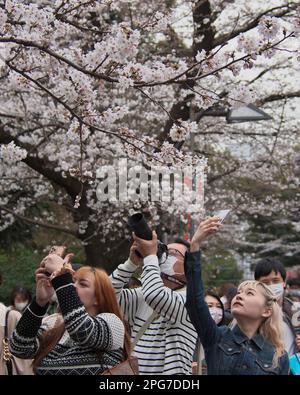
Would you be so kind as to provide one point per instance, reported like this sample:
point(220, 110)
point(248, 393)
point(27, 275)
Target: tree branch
point(251, 25)
point(279, 96)
point(202, 10)
point(267, 70)
point(78, 117)
point(81, 4)
point(60, 58)
point(226, 173)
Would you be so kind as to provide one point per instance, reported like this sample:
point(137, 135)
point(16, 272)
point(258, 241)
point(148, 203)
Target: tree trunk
point(106, 257)
point(202, 12)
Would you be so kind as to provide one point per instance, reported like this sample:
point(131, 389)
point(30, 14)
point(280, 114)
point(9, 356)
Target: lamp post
point(248, 113)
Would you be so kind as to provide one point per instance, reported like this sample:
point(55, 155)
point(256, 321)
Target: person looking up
point(254, 346)
point(88, 338)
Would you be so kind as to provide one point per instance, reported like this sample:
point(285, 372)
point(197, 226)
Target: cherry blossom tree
point(84, 83)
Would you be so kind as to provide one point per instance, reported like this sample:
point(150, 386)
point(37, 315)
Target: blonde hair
point(271, 327)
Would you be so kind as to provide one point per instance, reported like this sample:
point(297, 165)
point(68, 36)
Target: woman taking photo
point(87, 337)
point(254, 346)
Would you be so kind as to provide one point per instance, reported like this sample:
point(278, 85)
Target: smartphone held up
point(57, 250)
point(222, 214)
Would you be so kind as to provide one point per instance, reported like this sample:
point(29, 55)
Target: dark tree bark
point(202, 13)
point(203, 39)
point(97, 254)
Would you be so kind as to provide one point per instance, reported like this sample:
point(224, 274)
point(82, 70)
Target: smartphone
point(222, 214)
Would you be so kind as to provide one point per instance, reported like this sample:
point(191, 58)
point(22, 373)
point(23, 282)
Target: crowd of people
point(81, 321)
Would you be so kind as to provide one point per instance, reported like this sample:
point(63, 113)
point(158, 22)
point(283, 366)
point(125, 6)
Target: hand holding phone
point(58, 250)
point(222, 214)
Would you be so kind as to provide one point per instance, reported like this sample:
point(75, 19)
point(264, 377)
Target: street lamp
point(248, 113)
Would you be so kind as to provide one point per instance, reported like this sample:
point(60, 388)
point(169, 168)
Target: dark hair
point(265, 266)
point(134, 282)
point(293, 281)
point(230, 294)
point(224, 288)
point(178, 240)
point(76, 266)
point(293, 294)
point(19, 290)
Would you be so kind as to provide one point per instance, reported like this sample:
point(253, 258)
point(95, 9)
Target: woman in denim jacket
point(254, 346)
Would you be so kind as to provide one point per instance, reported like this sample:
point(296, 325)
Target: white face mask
point(168, 266)
point(21, 306)
point(277, 289)
point(216, 314)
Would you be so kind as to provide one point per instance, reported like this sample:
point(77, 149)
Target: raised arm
point(25, 338)
point(160, 298)
point(198, 311)
point(128, 298)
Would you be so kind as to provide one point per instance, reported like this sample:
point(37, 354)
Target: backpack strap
point(143, 328)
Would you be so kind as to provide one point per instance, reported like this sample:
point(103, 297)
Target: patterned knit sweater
point(89, 344)
point(169, 342)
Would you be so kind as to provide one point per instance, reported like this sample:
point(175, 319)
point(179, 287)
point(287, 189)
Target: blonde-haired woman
point(254, 346)
point(89, 334)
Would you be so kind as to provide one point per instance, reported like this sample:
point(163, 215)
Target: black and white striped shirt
point(169, 342)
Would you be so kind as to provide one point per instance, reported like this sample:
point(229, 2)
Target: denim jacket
point(227, 352)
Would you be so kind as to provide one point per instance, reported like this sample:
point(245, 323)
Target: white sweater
point(169, 342)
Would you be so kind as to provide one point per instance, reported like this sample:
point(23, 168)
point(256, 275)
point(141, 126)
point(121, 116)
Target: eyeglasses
point(176, 253)
point(171, 252)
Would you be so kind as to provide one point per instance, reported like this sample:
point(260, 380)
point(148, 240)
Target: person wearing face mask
point(163, 335)
point(272, 273)
point(215, 306)
point(217, 312)
point(9, 318)
point(20, 298)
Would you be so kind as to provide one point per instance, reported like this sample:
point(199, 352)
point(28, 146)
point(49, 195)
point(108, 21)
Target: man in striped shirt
point(168, 343)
